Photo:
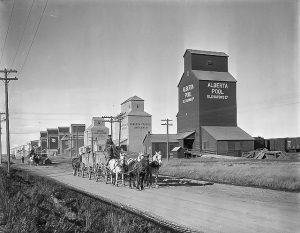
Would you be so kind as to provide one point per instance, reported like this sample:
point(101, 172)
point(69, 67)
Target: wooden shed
point(158, 142)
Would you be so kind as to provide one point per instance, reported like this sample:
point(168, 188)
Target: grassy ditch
point(36, 204)
point(279, 175)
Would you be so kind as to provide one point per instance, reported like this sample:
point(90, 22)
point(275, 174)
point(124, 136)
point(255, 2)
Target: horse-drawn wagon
point(94, 164)
point(102, 164)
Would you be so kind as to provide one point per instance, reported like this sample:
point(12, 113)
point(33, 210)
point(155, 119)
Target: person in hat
point(109, 147)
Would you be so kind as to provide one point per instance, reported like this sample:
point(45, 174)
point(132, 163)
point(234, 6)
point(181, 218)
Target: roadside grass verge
point(273, 174)
point(39, 205)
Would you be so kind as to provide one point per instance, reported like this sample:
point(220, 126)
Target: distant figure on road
point(22, 158)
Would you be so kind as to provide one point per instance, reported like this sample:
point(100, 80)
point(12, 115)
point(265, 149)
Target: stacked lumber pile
point(264, 154)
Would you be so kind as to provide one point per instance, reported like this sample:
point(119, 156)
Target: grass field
point(274, 174)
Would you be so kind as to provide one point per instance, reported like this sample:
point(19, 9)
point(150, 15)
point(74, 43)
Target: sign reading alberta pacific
point(217, 90)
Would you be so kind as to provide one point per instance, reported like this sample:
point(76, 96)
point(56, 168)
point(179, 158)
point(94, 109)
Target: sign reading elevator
point(217, 90)
point(187, 93)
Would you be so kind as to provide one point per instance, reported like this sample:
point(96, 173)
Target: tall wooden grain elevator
point(207, 116)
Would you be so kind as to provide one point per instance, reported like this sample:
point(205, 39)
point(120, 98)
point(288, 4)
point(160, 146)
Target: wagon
point(94, 165)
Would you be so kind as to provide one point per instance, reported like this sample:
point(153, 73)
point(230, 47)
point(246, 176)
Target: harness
point(128, 172)
point(118, 164)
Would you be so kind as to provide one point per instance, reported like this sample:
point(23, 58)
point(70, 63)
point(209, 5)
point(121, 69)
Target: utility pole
point(77, 142)
point(167, 124)
point(109, 119)
point(92, 142)
point(112, 119)
point(1, 113)
point(120, 117)
point(6, 81)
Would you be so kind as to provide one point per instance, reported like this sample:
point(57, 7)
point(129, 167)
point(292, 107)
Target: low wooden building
point(158, 142)
point(226, 140)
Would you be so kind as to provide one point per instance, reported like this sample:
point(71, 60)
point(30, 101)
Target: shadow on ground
point(174, 181)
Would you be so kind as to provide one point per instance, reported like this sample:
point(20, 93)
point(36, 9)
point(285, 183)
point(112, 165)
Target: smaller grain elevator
point(207, 116)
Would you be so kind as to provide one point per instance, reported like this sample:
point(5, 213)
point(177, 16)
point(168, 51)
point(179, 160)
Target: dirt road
point(201, 206)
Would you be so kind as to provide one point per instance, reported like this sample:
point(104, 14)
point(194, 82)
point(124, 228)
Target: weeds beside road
point(36, 204)
point(274, 174)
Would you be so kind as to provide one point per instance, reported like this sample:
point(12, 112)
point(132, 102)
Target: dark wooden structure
point(207, 98)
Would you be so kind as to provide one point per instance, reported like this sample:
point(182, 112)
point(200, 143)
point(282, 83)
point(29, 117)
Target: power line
point(37, 28)
point(11, 13)
point(23, 33)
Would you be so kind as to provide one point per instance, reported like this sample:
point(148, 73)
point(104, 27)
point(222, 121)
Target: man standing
point(109, 147)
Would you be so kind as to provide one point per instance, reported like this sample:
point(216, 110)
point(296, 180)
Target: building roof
point(202, 52)
point(137, 113)
point(161, 137)
point(77, 127)
point(52, 131)
point(213, 76)
point(227, 133)
point(176, 148)
point(63, 129)
point(185, 135)
point(133, 98)
point(43, 133)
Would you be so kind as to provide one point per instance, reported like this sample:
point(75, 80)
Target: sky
point(81, 59)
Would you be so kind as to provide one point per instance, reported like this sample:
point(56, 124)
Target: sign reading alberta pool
point(217, 90)
point(187, 90)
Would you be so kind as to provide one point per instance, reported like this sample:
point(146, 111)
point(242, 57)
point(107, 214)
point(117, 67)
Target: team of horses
point(34, 159)
point(140, 171)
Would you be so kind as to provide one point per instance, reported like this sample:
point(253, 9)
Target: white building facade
point(135, 124)
point(97, 134)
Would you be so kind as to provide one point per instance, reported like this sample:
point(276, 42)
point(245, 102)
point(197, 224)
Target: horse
point(36, 159)
point(154, 166)
point(130, 170)
point(76, 162)
point(116, 166)
point(139, 169)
